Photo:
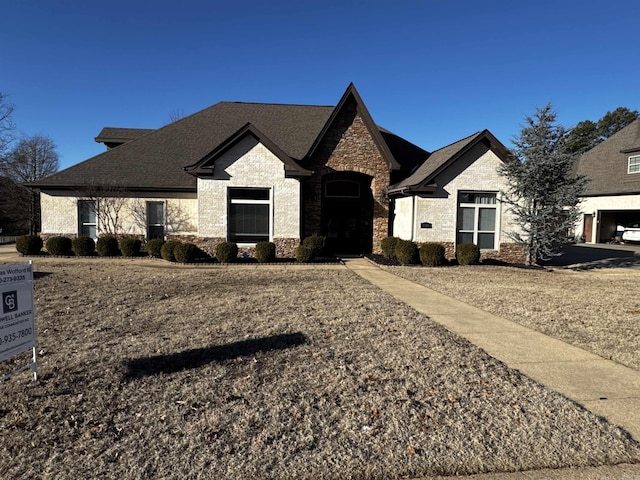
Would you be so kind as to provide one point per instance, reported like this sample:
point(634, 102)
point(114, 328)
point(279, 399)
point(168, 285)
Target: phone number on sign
point(12, 337)
point(15, 278)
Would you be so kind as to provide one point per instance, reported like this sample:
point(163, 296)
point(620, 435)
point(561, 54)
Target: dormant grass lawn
point(598, 310)
point(257, 373)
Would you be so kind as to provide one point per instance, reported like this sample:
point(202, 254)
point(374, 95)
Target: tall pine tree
point(543, 193)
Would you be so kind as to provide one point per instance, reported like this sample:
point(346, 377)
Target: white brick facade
point(249, 164)
point(477, 171)
point(60, 214)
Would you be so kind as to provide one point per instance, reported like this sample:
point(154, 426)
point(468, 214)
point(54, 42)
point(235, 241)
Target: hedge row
point(432, 254)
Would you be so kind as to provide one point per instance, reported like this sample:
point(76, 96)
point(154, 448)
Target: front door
point(588, 227)
point(347, 213)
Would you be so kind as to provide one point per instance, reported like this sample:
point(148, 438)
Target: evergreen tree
point(587, 134)
point(543, 193)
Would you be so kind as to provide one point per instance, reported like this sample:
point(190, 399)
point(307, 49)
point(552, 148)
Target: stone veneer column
point(347, 147)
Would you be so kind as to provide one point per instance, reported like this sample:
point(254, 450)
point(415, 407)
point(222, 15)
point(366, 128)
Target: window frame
point(231, 201)
point(477, 207)
point(635, 164)
point(163, 224)
point(81, 224)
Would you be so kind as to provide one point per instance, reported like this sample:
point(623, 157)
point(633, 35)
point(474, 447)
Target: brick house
point(612, 196)
point(248, 172)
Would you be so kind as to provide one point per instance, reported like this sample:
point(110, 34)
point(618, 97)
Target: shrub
point(467, 254)
point(167, 251)
point(130, 247)
point(185, 252)
point(388, 246)
point(59, 246)
point(154, 246)
point(316, 243)
point(107, 246)
point(227, 252)
point(29, 244)
point(406, 252)
point(304, 254)
point(265, 252)
point(432, 254)
point(83, 246)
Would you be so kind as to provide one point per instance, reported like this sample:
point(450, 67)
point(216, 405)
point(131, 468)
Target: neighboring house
point(248, 172)
point(612, 196)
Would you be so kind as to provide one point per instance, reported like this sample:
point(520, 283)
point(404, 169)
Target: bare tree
point(110, 202)
point(7, 126)
point(177, 219)
point(176, 115)
point(31, 159)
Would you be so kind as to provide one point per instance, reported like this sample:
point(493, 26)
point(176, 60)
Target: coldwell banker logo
point(9, 301)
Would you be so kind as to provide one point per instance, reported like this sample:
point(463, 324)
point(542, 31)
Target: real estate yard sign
point(17, 319)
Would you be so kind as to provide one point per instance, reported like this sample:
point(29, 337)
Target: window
point(634, 164)
point(155, 220)
point(477, 219)
point(249, 215)
point(342, 189)
point(87, 226)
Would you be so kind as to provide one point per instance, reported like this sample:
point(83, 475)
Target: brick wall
point(347, 147)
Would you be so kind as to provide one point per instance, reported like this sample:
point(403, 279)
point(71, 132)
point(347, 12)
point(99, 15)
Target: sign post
point(17, 316)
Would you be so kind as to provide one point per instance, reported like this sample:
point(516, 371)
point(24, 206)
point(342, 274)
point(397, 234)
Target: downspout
point(413, 217)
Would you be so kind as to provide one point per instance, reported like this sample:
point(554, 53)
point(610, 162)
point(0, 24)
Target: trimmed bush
point(467, 254)
point(388, 246)
point(432, 254)
point(29, 244)
point(59, 246)
point(265, 252)
point(406, 252)
point(167, 252)
point(107, 246)
point(316, 243)
point(185, 252)
point(83, 246)
point(304, 254)
point(154, 246)
point(130, 247)
point(227, 252)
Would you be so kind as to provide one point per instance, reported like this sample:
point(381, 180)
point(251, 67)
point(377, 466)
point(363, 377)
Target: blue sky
point(431, 71)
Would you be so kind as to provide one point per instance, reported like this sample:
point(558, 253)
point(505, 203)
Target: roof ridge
point(277, 104)
point(458, 141)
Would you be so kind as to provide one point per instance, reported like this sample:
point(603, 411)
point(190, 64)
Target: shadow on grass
point(198, 357)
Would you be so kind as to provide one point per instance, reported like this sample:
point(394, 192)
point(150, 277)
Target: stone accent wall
point(508, 252)
point(347, 147)
point(285, 247)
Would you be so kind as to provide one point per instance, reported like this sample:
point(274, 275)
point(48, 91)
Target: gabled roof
point(156, 159)
point(206, 165)
point(606, 164)
point(374, 131)
point(421, 179)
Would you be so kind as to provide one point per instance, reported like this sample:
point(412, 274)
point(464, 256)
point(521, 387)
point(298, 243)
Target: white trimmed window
point(477, 218)
point(249, 218)
point(87, 224)
point(634, 164)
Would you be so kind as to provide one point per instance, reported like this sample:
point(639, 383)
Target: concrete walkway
point(607, 388)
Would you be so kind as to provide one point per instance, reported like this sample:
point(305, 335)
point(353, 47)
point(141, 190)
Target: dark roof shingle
point(606, 164)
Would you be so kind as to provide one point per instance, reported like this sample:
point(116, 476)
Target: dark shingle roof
point(156, 159)
point(442, 158)
point(120, 135)
point(606, 164)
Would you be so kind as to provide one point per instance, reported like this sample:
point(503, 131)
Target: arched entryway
point(347, 212)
